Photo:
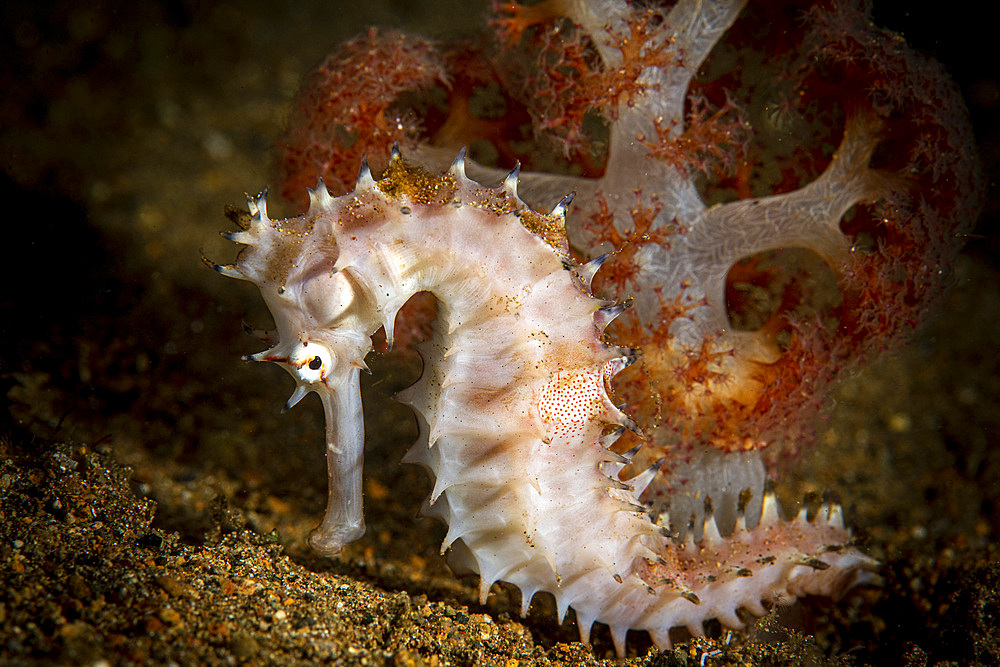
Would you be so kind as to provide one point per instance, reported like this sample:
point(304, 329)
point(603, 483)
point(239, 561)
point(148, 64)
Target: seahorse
point(516, 422)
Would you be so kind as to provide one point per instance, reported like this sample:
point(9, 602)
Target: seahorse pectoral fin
point(344, 521)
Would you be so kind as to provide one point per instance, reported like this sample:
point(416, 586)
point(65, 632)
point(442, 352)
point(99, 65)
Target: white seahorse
point(515, 418)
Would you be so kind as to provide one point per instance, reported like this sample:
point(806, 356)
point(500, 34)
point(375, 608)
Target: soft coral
point(808, 127)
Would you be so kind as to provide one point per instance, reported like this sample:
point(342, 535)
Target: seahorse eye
point(312, 361)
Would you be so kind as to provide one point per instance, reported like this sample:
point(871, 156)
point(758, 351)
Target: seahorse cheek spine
point(516, 424)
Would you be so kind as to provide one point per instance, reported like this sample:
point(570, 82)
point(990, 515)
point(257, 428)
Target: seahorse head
point(324, 317)
point(322, 340)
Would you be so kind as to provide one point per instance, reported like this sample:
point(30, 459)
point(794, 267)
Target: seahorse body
point(516, 423)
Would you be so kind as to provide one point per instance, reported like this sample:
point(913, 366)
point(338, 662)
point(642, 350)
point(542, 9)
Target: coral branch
point(336, 120)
